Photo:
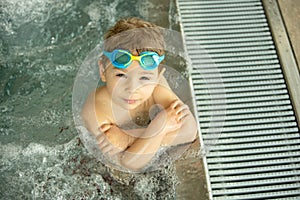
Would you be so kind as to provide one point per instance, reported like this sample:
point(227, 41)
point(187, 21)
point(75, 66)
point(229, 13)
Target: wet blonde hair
point(135, 35)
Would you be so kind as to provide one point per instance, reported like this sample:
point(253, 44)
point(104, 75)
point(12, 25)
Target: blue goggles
point(120, 58)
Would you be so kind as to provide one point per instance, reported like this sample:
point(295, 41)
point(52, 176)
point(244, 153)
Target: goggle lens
point(148, 60)
point(121, 58)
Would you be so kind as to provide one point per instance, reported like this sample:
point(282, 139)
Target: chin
point(131, 106)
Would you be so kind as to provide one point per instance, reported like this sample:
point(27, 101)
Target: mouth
point(130, 101)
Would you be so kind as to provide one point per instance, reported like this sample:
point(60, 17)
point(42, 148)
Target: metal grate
point(257, 154)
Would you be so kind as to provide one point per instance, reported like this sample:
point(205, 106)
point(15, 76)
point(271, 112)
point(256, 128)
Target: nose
point(131, 86)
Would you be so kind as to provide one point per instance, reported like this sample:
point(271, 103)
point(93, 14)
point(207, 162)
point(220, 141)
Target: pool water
point(42, 45)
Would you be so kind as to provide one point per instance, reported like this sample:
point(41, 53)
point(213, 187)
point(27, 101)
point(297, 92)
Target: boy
point(117, 114)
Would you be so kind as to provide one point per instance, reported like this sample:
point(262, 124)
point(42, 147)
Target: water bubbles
point(53, 40)
point(94, 11)
point(20, 11)
point(65, 68)
point(45, 169)
point(6, 131)
point(6, 109)
point(67, 171)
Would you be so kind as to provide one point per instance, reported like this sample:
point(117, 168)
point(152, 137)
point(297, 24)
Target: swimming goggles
point(122, 59)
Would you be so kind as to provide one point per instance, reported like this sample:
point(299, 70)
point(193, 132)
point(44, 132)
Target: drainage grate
point(257, 153)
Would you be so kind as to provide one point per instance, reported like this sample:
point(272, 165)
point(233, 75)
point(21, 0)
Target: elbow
point(194, 137)
point(193, 129)
point(188, 135)
point(194, 133)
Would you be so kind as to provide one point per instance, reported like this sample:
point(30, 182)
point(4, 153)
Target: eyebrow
point(141, 73)
point(118, 69)
point(147, 73)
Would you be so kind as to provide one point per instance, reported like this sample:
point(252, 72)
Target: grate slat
point(258, 163)
point(229, 32)
point(274, 149)
point(269, 181)
point(217, 14)
point(283, 194)
point(246, 134)
point(223, 23)
point(259, 176)
point(271, 188)
point(255, 170)
point(226, 129)
point(241, 100)
point(237, 147)
point(228, 18)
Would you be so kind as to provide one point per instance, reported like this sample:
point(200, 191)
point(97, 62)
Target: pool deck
point(290, 12)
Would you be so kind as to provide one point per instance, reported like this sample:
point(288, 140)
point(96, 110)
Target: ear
point(161, 73)
point(102, 71)
point(162, 80)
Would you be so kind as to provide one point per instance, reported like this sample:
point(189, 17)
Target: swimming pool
point(43, 43)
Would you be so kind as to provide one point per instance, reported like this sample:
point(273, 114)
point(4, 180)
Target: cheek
point(147, 90)
point(112, 86)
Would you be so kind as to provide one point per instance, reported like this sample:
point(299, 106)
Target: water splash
point(69, 172)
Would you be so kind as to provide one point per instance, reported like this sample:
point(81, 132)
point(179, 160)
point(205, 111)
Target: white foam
point(24, 11)
point(67, 171)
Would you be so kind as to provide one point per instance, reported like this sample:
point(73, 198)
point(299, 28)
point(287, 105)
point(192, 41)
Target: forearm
point(187, 133)
point(140, 153)
point(143, 148)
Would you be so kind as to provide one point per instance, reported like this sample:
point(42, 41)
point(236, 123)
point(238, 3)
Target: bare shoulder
point(94, 107)
point(101, 97)
point(93, 101)
point(103, 105)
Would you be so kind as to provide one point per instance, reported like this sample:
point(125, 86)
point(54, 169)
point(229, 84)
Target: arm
point(88, 115)
point(142, 149)
point(92, 122)
point(133, 152)
point(164, 96)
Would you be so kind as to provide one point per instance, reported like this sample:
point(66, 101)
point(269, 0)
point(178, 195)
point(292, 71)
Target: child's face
point(130, 87)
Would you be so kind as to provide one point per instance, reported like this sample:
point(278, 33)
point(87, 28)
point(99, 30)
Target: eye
point(121, 75)
point(145, 78)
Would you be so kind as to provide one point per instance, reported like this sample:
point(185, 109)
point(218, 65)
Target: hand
point(112, 140)
point(173, 117)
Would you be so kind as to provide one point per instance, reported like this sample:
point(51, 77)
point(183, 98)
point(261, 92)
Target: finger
point(106, 149)
point(100, 137)
point(175, 104)
point(104, 127)
point(182, 116)
point(182, 108)
point(102, 144)
point(114, 151)
point(102, 141)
